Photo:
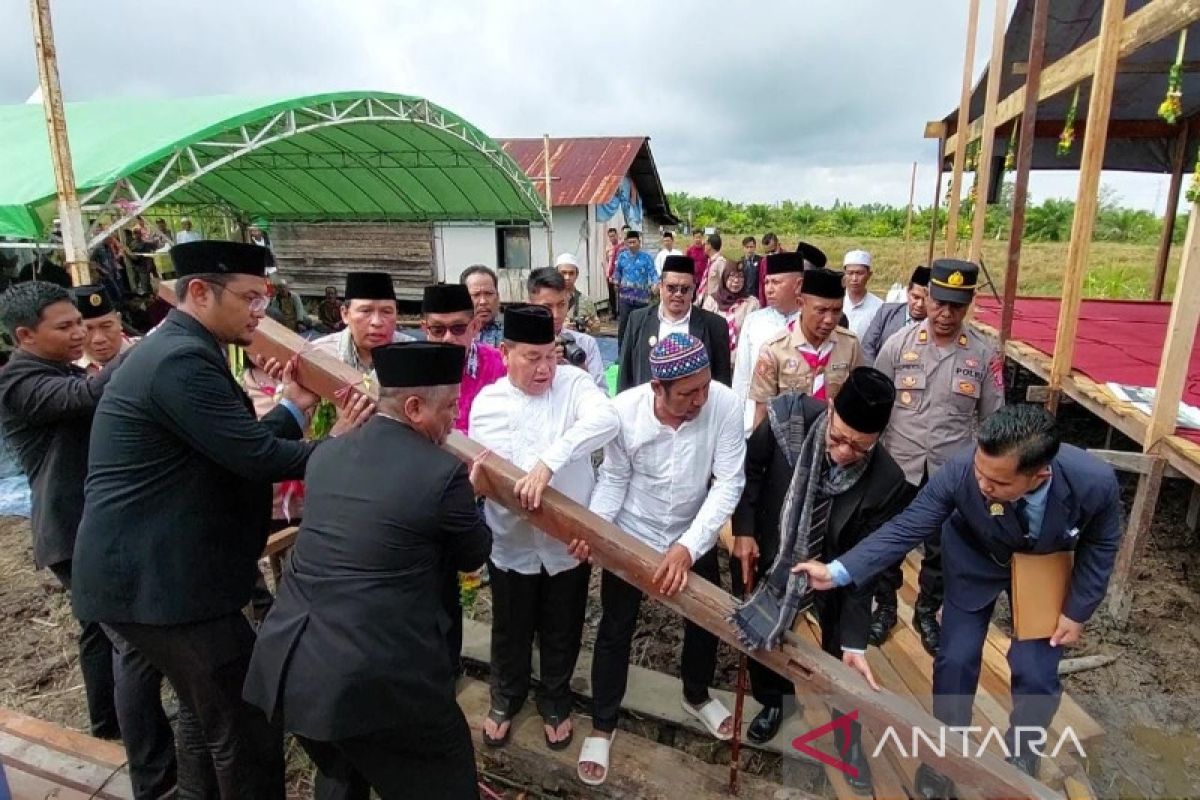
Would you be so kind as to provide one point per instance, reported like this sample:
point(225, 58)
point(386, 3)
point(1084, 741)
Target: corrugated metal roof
point(585, 171)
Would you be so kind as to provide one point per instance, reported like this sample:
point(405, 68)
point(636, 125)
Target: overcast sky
point(753, 101)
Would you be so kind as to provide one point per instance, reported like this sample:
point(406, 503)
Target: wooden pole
point(912, 193)
point(964, 118)
point(983, 174)
point(549, 200)
point(69, 214)
point(1181, 335)
point(937, 197)
point(1086, 202)
point(1178, 159)
point(1025, 138)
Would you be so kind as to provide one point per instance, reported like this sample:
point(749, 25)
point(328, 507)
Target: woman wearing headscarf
point(732, 301)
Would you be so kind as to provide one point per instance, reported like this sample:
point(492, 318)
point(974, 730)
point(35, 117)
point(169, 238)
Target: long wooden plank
point(983, 172)
point(635, 562)
point(1154, 21)
point(1141, 515)
point(960, 147)
point(1181, 336)
point(26, 786)
point(1087, 199)
point(89, 748)
point(1163, 256)
point(106, 783)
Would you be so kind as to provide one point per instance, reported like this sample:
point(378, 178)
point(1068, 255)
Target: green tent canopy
point(342, 156)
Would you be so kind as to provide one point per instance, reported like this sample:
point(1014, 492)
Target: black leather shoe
point(1026, 762)
point(925, 621)
point(933, 785)
point(856, 758)
point(882, 621)
point(765, 725)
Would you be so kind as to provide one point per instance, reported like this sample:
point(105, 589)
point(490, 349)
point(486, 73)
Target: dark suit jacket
point(706, 326)
point(1083, 513)
point(878, 495)
point(887, 321)
point(46, 411)
point(178, 495)
point(356, 640)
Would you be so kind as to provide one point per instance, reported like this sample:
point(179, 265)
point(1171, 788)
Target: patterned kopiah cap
point(677, 356)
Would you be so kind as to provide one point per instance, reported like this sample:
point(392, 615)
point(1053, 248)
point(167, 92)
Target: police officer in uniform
point(814, 356)
point(948, 379)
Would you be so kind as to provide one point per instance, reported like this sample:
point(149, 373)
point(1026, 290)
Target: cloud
point(759, 100)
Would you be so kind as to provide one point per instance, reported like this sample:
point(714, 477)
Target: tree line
point(1047, 221)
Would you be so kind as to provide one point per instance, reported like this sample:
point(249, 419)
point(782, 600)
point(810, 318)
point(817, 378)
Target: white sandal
point(595, 750)
point(711, 715)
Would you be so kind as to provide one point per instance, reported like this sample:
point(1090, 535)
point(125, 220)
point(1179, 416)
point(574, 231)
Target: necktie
point(817, 364)
point(1021, 507)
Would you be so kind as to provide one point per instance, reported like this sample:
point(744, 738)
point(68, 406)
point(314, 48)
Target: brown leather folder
point(1039, 590)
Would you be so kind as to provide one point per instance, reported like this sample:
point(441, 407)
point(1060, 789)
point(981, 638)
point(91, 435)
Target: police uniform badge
point(909, 381)
point(972, 363)
point(923, 336)
point(966, 387)
point(996, 510)
point(962, 340)
point(911, 356)
point(95, 299)
point(906, 398)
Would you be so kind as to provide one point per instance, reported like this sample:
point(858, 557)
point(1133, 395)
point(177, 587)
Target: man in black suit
point(674, 314)
point(46, 408)
point(863, 488)
point(353, 657)
point(894, 316)
point(176, 510)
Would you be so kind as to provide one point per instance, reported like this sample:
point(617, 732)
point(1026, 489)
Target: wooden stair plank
point(64, 769)
point(89, 748)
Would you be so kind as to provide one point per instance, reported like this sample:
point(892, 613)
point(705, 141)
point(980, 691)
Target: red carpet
point(1116, 340)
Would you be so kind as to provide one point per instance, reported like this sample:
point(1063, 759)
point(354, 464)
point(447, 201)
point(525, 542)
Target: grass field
point(1114, 270)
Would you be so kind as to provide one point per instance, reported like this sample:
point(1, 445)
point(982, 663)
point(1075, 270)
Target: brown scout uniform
point(782, 368)
point(942, 395)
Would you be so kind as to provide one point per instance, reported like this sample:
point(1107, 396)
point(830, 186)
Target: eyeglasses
point(837, 440)
point(438, 331)
point(677, 288)
point(255, 301)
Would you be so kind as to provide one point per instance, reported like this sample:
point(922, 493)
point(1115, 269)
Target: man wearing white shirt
point(548, 421)
point(186, 234)
point(860, 306)
point(671, 479)
point(546, 287)
point(781, 285)
point(668, 249)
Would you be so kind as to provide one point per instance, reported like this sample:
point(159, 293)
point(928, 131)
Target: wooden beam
point(1037, 48)
point(1141, 516)
point(964, 113)
point(1178, 159)
point(69, 214)
point(1129, 68)
point(1087, 199)
point(1181, 335)
point(1137, 463)
point(983, 172)
point(937, 198)
point(635, 562)
point(1154, 21)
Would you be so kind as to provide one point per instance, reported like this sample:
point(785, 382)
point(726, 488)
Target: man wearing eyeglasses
point(858, 488)
point(177, 506)
point(448, 315)
point(674, 313)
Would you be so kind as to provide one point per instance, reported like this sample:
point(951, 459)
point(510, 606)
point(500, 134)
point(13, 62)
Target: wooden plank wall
point(315, 255)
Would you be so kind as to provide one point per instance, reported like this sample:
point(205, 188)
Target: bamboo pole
point(964, 118)
point(912, 192)
point(983, 172)
point(1178, 159)
point(1033, 79)
point(549, 200)
point(1086, 202)
point(69, 214)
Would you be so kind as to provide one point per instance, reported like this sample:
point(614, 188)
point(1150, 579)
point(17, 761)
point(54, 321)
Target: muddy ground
point(1148, 699)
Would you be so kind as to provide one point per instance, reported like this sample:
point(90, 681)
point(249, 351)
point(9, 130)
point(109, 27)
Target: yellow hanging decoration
point(1193, 192)
point(1171, 108)
point(1067, 138)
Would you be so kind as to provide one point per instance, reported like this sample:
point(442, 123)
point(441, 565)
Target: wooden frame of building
point(1120, 36)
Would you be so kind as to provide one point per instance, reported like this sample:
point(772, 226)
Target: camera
point(572, 352)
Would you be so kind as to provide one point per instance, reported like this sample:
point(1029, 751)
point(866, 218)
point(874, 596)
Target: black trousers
point(124, 695)
point(614, 639)
point(624, 309)
point(414, 761)
point(929, 579)
point(227, 747)
point(550, 607)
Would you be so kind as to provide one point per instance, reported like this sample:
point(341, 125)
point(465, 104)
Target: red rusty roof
point(584, 171)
